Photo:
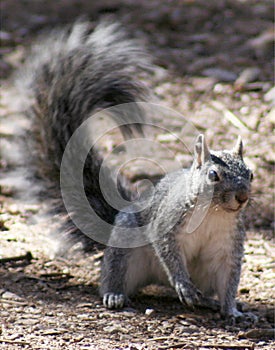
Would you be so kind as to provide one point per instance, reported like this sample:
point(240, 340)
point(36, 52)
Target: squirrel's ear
point(238, 148)
point(202, 153)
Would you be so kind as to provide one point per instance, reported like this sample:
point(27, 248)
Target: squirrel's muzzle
point(241, 197)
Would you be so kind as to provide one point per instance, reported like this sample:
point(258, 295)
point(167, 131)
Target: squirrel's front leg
point(228, 279)
point(174, 263)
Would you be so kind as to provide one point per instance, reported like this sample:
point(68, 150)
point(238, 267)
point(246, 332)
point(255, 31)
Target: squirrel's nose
point(241, 197)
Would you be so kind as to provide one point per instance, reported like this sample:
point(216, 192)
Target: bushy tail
point(72, 74)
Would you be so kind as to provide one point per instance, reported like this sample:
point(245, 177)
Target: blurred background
point(215, 67)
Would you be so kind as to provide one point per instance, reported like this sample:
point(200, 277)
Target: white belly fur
point(207, 251)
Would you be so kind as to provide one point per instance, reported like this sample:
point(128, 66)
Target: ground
point(216, 69)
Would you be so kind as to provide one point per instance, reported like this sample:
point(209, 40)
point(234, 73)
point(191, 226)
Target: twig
point(208, 346)
point(229, 347)
point(14, 342)
point(258, 333)
point(28, 256)
point(161, 338)
point(14, 302)
point(56, 275)
point(179, 345)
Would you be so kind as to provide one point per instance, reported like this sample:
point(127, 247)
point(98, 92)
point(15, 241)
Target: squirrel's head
point(224, 173)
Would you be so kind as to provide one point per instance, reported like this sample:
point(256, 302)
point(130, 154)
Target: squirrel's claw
point(113, 300)
point(188, 294)
point(191, 296)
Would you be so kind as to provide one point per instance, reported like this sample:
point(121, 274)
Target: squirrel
point(198, 261)
point(78, 71)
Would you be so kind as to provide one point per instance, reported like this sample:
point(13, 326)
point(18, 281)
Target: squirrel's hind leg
point(123, 272)
point(113, 274)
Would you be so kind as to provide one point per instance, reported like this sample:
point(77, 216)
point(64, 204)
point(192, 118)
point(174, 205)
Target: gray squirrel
point(77, 71)
point(200, 263)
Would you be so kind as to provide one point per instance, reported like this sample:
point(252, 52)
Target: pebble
point(203, 84)
point(149, 312)
point(11, 296)
point(115, 329)
point(27, 322)
point(14, 209)
point(84, 316)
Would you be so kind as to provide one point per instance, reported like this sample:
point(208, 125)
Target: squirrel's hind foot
point(236, 317)
point(114, 301)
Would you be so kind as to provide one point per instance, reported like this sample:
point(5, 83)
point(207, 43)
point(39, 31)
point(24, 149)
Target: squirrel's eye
point(251, 177)
point(213, 176)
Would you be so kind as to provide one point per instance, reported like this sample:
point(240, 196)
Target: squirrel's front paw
point(188, 293)
point(114, 300)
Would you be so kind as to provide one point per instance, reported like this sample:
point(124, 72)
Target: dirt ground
point(216, 69)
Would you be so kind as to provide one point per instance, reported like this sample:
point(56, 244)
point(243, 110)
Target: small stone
point(27, 322)
point(11, 296)
point(203, 84)
point(115, 329)
point(13, 209)
point(149, 312)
